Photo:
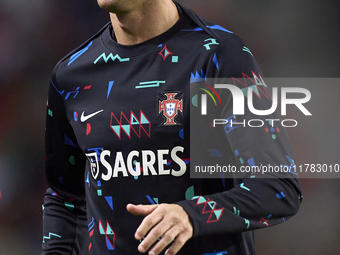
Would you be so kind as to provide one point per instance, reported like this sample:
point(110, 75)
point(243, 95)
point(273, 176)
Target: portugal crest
point(169, 105)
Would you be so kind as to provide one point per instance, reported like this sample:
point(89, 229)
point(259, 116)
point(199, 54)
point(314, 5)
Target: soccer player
point(118, 147)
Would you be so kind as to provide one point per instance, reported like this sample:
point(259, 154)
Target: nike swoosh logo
point(84, 118)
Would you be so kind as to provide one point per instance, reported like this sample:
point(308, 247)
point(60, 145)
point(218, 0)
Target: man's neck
point(151, 20)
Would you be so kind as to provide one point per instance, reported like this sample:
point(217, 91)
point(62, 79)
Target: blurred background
point(288, 38)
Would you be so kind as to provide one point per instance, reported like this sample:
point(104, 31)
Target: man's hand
point(164, 222)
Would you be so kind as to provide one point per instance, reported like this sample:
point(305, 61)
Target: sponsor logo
point(170, 107)
point(136, 163)
point(84, 118)
point(94, 166)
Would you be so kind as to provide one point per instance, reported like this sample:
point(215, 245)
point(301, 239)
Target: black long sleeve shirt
point(110, 141)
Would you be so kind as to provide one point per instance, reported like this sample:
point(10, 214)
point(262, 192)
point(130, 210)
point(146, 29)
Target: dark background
point(288, 38)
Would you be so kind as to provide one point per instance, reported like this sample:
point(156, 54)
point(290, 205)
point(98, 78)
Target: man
point(118, 114)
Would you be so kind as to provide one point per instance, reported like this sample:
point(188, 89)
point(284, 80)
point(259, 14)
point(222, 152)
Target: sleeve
point(64, 209)
point(257, 200)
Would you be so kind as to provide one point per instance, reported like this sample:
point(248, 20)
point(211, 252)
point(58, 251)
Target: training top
point(118, 132)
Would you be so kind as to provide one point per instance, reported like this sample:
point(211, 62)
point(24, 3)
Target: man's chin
point(115, 6)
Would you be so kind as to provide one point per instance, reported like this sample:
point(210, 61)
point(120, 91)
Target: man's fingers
point(141, 209)
point(147, 224)
point(155, 235)
point(180, 240)
point(163, 223)
point(165, 240)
